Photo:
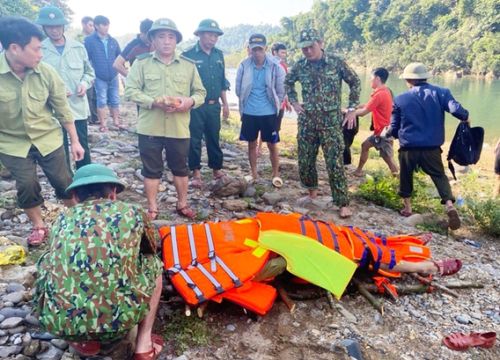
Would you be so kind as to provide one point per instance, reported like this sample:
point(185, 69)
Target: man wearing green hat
point(100, 276)
point(33, 107)
point(71, 61)
point(205, 120)
point(166, 87)
point(319, 116)
point(418, 122)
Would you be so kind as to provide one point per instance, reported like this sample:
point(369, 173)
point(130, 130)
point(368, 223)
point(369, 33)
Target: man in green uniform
point(100, 276)
point(320, 119)
point(205, 120)
point(72, 63)
point(166, 87)
point(33, 106)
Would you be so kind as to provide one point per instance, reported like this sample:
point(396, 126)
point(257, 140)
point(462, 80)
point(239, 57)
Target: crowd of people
point(50, 81)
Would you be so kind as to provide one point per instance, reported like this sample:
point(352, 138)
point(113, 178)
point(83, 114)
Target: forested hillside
point(448, 35)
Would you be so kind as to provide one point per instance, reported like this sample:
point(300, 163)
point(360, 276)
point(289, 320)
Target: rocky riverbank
point(413, 328)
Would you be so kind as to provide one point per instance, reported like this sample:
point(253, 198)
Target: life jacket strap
point(211, 248)
point(192, 246)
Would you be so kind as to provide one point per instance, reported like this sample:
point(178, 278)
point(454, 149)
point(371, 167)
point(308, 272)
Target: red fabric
point(380, 105)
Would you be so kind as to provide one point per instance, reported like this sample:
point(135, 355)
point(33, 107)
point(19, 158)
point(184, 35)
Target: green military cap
point(415, 71)
point(208, 25)
point(95, 174)
point(51, 16)
point(165, 24)
point(308, 37)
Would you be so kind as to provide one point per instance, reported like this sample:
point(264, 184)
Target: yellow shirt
point(149, 78)
point(29, 109)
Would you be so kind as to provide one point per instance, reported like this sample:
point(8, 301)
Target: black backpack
point(465, 148)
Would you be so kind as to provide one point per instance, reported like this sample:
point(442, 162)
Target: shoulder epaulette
point(144, 56)
point(184, 57)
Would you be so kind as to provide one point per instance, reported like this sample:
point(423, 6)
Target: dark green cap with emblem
point(95, 174)
point(165, 24)
point(51, 16)
point(208, 25)
point(308, 37)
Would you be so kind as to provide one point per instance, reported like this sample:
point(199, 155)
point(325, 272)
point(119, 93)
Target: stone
point(413, 220)
point(32, 320)
point(271, 198)
point(2, 318)
point(228, 186)
point(20, 274)
point(250, 191)
point(182, 357)
point(11, 322)
point(15, 297)
point(21, 357)
point(53, 353)
point(231, 328)
point(235, 205)
point(18, 240)
point(345, 313)
point(9, 312)
point(7, 186)
point(6, 351)
point(16, 330)
point(463, 319)
point(32, 348)
point(59, 343)
point(3, 340)
point(14, 287)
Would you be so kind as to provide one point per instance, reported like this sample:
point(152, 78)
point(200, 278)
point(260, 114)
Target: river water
point(480, 97)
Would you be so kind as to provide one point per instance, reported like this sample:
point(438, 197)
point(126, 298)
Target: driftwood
point(329, 297)
point(378, 304)
point(423, 288)
point(286, 299)
point(434, 284)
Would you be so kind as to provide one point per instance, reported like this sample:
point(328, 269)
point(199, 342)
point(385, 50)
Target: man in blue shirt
point(103, 50)
point(418, 122)
point(260, 89)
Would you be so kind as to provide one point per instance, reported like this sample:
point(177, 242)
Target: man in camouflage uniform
point(320, 120)
point(100, 276)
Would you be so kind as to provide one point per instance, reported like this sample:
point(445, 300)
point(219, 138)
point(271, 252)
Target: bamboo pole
point(377, 304)
point(434, 284)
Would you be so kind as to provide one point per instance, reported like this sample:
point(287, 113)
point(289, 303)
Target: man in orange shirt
point(380, 105)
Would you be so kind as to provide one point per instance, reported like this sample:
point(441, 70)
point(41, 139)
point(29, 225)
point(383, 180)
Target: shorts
point(151, 151)
point(107, 93)
point(251, 125)
point(497, 160)
point(382, 144)
point(23, 170)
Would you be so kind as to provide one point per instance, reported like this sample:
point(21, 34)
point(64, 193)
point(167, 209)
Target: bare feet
point(345, 212)
point(358, 173)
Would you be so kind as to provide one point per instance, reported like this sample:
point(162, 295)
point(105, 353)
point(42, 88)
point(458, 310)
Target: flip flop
point(186, 211)
point(38, 236)
point(461, 341)
point(448, 267)
point(277, 182)
point(196, 182)
point(453, 219)
point(405, 213)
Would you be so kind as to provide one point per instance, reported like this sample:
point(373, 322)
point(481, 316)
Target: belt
point(211, 102)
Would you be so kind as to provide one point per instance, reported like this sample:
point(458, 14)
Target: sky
point(125, 15)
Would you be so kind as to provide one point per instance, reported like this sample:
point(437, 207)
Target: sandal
point(345, 212)
point(196, 182)
point(158, 340)
point(277, 182)
point(38, 236)
point(448, 267)
point(461, 342)
point(405, 213)
point(148, 355)
point(86, 348)
point(186, 211)
point(152, 214)
point(453, 219)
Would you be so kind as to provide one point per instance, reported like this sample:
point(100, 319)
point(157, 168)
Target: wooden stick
point(286, 299)
point(200, 310)
point(329, 297)
point(377, 304)
point(436, 285)
point(187, 310)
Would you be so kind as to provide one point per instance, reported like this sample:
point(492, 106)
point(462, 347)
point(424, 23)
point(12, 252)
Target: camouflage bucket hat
point(308, 37)
point(165, 24)
point(95, 174)
point(51, 16)
point(208, 25)
point(415, 71)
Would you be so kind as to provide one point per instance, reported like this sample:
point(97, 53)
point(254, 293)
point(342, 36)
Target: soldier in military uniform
point(205, 120)
point(100, 277)
point(166, 87)
point(320, 120)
